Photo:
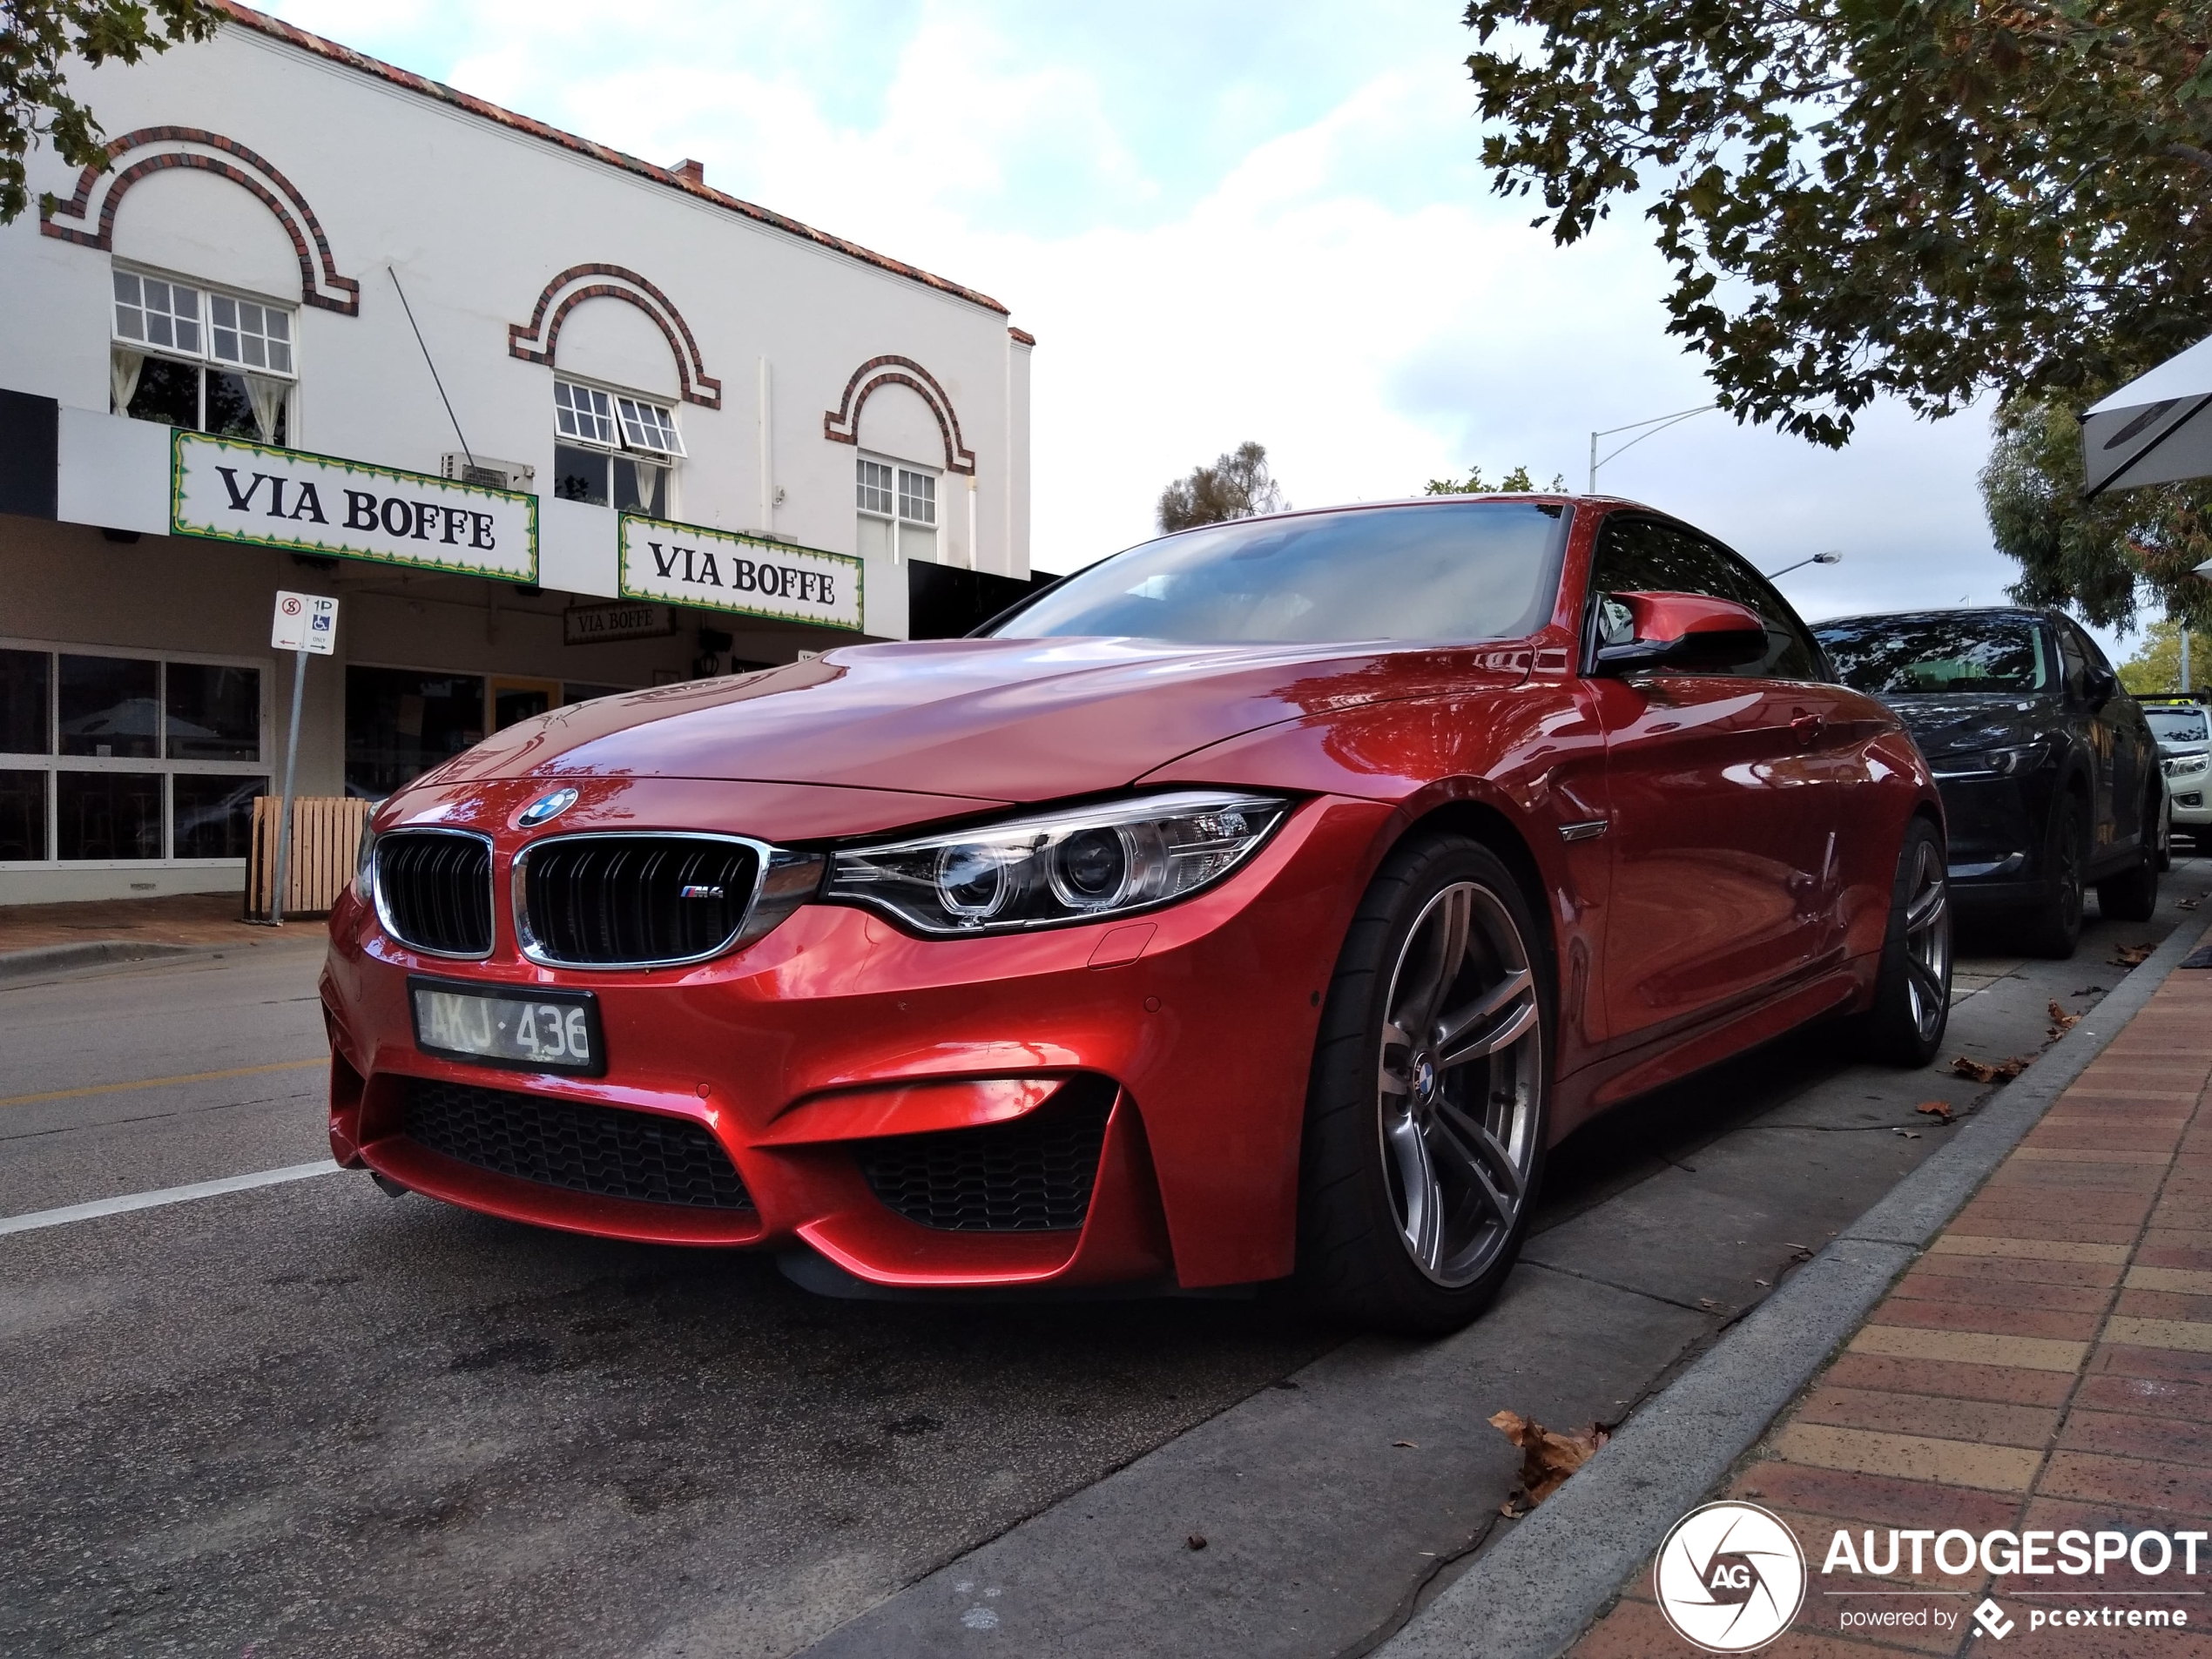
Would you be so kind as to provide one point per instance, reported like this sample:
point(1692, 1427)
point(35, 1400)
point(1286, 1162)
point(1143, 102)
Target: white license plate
point(531, 1032)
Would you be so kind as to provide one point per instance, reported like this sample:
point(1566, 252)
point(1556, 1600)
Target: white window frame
point(617, 445)
point(896, 514)
point(204, 357)
point(53, 762)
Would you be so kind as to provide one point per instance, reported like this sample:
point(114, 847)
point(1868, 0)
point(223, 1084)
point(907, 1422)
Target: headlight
point(364, 866)
point(1058, 867)
point(1989, 763)
point(2186, 765)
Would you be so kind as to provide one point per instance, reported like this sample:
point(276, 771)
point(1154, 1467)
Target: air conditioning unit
point(488, 473)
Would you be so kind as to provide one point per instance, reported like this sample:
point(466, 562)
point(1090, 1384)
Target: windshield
point(1455, 571)
point(1900, 656)
point(2177, 725)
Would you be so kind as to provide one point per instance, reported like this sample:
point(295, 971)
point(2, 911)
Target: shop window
point(898, 511)
point(26, 717)
point(214, 714)
point(187, 357)
point(401, 722)
point(23, 815)
point(107, 814)
point(213, 815)
point(612, 449)
point(111, 707)
point(142, 758)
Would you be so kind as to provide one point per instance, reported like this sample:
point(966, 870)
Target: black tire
point(1913, 991)
point(1370, 1248)
point(2132, 896)
point(2053, 928)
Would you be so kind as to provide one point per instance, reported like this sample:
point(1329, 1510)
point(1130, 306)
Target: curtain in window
point(123, 368)
point(267, 397)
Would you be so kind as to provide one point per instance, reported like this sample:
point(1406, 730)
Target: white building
point(546, 419)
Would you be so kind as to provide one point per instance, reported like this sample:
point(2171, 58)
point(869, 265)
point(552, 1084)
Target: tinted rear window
point(1459, 570)
point(1906, 655)
point(2177, 725)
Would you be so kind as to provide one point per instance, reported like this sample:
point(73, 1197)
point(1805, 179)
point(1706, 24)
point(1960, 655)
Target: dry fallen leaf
point(1546, 1457)
point(2185, 904)
point(1408, 1444)
point(1909, 1134)
point(2003, 1072)
point(2130, 955)
point(2061, 1018)
point(1761, 1282)
point(1935, 1108)
point(1196, 1541)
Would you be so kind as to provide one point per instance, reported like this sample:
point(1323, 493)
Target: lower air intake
point(609, 1152)
point(1033, 1174)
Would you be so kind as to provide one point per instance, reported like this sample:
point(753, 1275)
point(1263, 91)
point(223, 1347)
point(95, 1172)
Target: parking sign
point(305, 622)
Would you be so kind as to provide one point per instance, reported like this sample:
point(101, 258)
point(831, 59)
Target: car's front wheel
point(1428, 1104)
point(1913, 992)
point(2055, 929)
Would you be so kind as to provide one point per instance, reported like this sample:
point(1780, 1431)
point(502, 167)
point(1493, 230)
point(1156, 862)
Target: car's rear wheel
point(2132, 896)
point(1428, 1105)
point(1912, 995)
point(2054, 927)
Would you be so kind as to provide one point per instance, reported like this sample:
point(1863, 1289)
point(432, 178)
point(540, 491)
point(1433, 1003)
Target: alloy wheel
point(2070, 896)
point(1927, 940)
point(1458, 1083)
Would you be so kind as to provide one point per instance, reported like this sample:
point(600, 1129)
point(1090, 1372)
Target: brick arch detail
point(320, 283)
point(538, 340)
point(842, 424)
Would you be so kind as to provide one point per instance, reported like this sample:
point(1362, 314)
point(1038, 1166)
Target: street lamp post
point(1657, 424)
point(1831, 557)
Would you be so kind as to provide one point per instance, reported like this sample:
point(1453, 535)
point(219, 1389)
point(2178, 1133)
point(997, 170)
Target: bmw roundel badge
point(547, 807)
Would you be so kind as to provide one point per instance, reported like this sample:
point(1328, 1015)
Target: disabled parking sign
point(305, 622)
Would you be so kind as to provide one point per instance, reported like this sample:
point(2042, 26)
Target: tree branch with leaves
point(39, 38)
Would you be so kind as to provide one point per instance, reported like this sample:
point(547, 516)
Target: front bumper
point(803, 1055)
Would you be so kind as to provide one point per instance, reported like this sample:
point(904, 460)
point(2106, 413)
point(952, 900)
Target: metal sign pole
point(291, 765)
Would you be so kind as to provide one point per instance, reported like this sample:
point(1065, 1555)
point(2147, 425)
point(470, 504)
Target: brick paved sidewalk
point(174, 919)
point(2047, 1363)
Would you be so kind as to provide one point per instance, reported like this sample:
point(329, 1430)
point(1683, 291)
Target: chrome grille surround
point(542, 952)
point(402, 888)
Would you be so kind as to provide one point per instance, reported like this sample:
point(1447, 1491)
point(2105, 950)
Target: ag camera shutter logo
point(1729, 1577)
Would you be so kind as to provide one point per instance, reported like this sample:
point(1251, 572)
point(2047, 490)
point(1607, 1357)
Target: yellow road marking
point(163, 1083)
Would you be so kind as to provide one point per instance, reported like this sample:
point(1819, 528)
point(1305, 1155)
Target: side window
point(1636, 554)
point(2077, 666)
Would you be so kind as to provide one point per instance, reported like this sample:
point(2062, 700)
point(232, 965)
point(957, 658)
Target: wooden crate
point(326, 836)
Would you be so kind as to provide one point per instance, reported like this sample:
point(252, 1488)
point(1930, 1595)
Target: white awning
point(2157, 429)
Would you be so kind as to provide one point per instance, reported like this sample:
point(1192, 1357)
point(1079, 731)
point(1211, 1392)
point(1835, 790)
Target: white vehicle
point(2184, 737)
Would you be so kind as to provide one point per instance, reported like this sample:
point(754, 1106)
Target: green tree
point(2106, 557)
point(2155, 668)
point(37, 39)
point(1237, 485)
point(1923, 198)
point(1515, 482)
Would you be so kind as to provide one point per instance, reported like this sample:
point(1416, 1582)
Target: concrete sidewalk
point(2045, 1364)
point(39, 940)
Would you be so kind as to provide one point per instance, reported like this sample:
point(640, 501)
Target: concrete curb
point(1533, 1593)
point(51, 959)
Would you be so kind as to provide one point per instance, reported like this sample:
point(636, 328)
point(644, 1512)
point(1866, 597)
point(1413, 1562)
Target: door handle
point(1807, 728)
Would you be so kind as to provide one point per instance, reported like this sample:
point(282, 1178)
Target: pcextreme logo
point(1729, 1577)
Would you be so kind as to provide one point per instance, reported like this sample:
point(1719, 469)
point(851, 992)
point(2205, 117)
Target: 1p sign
point(305, 622)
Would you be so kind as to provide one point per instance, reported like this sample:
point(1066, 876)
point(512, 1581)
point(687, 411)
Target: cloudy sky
point(1223, 221)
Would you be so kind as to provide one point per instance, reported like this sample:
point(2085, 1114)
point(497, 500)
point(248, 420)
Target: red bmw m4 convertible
point(1261, 901)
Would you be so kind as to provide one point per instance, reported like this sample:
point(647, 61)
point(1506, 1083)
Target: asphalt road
point(308, 1419)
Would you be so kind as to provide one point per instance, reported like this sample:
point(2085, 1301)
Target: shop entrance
point(513, 700)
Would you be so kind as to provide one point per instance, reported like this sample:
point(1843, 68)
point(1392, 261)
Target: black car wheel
point(2055, 929)
point(2133, 896)
point(1430, 1095)
point(1912, 996)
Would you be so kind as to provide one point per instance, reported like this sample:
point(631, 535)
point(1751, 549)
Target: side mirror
point(1689, 633)
point(2100, 686)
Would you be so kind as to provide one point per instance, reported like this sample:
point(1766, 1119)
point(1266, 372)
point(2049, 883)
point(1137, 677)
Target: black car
point(2048, 770)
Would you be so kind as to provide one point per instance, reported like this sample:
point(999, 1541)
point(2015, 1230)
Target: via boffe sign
point(231, 489)
point(691, 564)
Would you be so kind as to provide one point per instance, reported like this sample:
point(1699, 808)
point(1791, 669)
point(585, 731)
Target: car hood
point(1986, 720)
point(1008, 720)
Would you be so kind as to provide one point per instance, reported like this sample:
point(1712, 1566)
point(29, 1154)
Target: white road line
point(165, 1195)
